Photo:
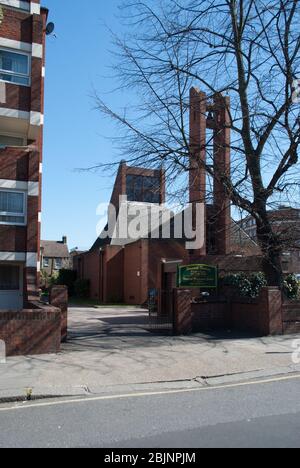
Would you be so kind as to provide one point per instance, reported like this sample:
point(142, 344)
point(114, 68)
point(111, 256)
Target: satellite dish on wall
point(50, 28)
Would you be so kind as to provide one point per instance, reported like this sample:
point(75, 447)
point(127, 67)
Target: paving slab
point(111, 348)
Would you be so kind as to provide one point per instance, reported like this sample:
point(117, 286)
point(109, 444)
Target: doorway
point(11, 287)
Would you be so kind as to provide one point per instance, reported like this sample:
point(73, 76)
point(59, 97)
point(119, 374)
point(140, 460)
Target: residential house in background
point(22, 71)
point(286, 223)
point(55, 256)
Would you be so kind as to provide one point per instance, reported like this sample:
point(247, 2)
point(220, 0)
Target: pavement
point(111, 351)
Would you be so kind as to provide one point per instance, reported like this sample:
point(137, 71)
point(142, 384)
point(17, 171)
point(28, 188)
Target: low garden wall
point(262, 316)
point(291, 317)
point(183, 324)
point(209, 315)
point(59, 298)
point(40, 329)
point(31, 332)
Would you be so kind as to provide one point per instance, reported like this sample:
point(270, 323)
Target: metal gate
point(161, 311)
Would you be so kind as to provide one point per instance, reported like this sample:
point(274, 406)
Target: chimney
point(64, 240)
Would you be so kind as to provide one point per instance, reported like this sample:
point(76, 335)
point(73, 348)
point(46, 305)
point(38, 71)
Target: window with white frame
point(12, 207)
point(46, 262)
point(14, 67)
point(58, 263)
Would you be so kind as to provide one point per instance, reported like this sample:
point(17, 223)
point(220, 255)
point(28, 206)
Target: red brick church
point(125, 271)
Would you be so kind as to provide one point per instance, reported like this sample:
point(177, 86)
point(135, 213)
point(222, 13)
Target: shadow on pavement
point(111, 329)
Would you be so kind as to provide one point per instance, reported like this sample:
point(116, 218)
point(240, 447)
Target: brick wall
point(89, 270)
point(16, 25)
point(17, 97)
point(183, 324)
point(22, 26)
point(261, 317)
point(13, 238)
point(136, 273)
point(197, 173)
point(230, 263)
point(120, 186)
point(39, 329)
point(209, 316)
point(31, 332)
point(163, 249)
point(291, 317)
point(59, 299)
point(245, 316)
point(222, 165)
point(22, 164)
point(114, 257)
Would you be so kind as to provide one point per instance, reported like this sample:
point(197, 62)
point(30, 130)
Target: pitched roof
point(55, 249)
point(241, 241)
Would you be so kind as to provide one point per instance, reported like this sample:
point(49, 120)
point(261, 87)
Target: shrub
point(248, 285)
point(291, 287)
point(82, 288)
point(47, 281)
point(67, 278)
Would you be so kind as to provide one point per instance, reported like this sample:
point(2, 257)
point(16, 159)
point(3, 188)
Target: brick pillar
point(59, 299)
point(222, 213)
point(198, 107)
point(271, 319)
point(182, 312)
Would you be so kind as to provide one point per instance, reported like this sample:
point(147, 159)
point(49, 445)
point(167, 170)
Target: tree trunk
point(271, 248)
point(273, 269)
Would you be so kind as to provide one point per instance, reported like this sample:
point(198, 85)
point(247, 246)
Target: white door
point(11, 287)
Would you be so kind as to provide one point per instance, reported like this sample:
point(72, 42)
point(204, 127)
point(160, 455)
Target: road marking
point(147, 394)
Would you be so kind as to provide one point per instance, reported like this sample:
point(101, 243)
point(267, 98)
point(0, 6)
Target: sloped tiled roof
point(240, 241)
point(54, 249)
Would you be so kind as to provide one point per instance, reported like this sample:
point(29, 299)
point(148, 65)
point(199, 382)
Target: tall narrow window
point(12, 207)
point(14, 67)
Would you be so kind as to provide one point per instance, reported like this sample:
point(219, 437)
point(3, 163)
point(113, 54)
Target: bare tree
point(246, 49)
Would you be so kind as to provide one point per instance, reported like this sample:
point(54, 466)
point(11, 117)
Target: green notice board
point(197, 276)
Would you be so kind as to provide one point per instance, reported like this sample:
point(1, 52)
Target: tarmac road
point(250, 414)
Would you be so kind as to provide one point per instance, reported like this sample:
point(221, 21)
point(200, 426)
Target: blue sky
point(75, 134)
